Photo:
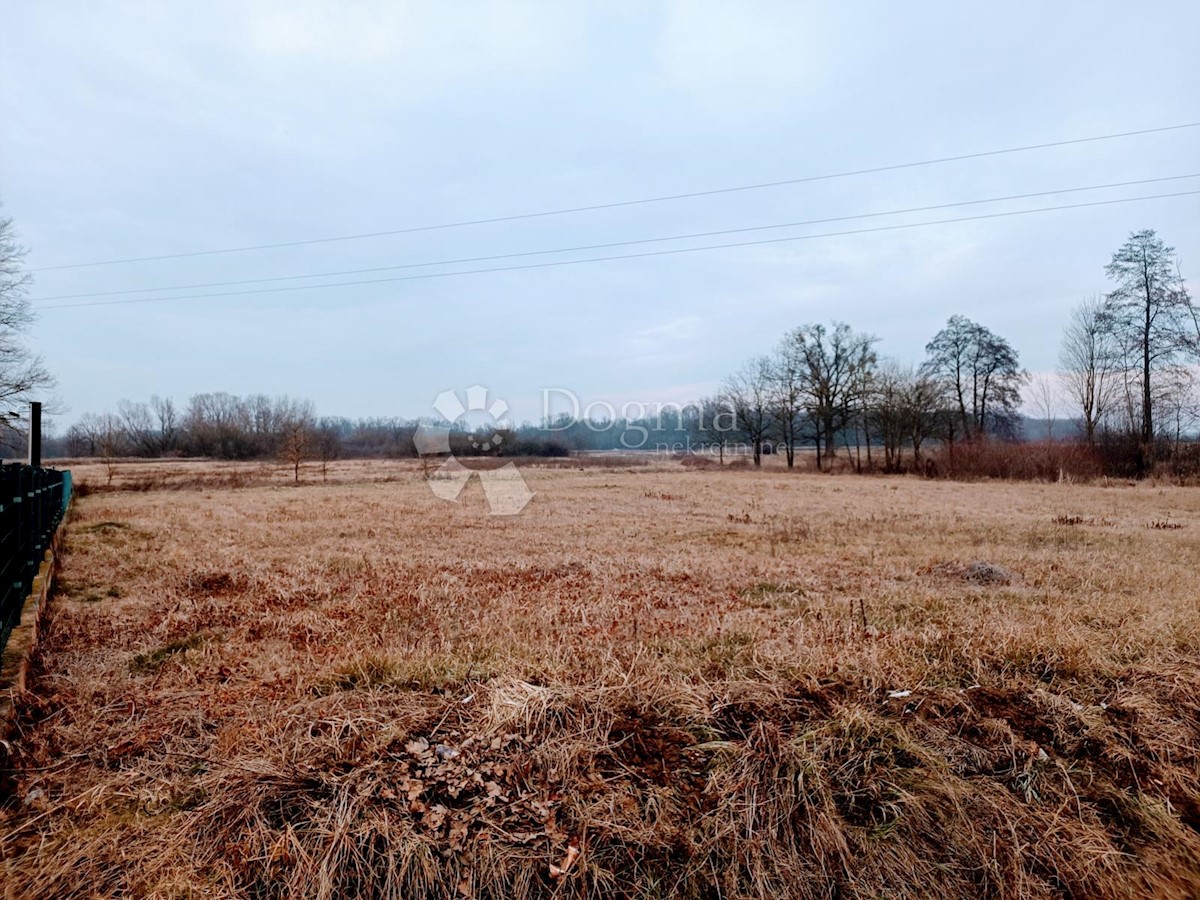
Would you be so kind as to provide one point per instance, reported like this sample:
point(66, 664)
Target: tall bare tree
point(888, 416)
point(924, 397)
point(86, 434)
point(902, 409)
point(715, 423)
point(1044, 395)
point(788, 379)
point(327, 444)
point(862, 389)
point(139, 426)
point(832, 363)
point(748, 393)
point(1177, 407)
point(1150, 314)
point(23, 375)
point(168, 422)
point(1087, 366)
point(982, 373)
point(111, 442)
point(218, 424)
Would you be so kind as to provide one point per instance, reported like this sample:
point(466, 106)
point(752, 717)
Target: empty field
point(653, 682)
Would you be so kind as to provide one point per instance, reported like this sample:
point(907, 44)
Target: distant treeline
point(1126, 378)
point(1127, 375)
point(230, 427)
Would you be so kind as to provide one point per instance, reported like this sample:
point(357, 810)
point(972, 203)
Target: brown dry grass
point(181, 474)
point(357, 690)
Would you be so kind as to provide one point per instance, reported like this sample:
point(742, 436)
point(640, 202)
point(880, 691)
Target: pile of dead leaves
point(470, 791)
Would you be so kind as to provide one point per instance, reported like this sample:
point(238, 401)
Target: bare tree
point(327, 445)
point(902, 409)
point(1150, 314)
point(77, 442)
point(23, 375)
point(982, 373)
point(139, 427)
point(888, 415)
point(218, 424)
point(924, 399)
point(111, 442)
point(832, 363)
point(1043, 394)
point(748, 393)
point(715, 423)
point(862, 388)
point(87, 432)
point(267, 419)
point(168, 422)
point(1088, 363)
point(296, 438)
point(788, 379)
point(1177, 405)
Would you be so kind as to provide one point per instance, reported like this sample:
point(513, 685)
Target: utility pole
point(35, 433)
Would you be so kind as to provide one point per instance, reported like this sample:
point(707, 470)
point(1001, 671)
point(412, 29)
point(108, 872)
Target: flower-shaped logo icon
point(505, 489)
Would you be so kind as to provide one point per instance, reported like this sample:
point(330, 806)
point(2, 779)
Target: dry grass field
point(654, 682)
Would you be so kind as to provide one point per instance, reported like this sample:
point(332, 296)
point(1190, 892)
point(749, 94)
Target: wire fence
point(32, 502)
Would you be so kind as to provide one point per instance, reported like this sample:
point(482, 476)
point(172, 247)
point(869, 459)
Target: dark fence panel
point(32, 503)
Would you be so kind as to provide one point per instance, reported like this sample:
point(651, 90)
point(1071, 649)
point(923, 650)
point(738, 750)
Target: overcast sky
point(133, 130)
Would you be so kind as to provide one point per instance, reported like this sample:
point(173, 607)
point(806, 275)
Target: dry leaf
point(419, 747)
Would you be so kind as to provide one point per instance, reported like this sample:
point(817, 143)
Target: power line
point(623, 203)
point(573, 262)
point(653, 240)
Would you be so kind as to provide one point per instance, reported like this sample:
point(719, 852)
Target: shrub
point(1041, 461)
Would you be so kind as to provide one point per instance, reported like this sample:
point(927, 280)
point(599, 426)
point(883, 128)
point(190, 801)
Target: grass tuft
point(152, 660)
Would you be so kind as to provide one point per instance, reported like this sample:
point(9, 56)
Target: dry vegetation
point(656, 681)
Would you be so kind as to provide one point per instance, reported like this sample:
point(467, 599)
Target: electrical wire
point(650, 253)
point(625, 203)
point(579, 248)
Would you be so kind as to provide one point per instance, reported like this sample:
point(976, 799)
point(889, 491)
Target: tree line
point(1126, 378)
point(1128, 360)
point(219, 425)
point(231, 427)
point(825, 386)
